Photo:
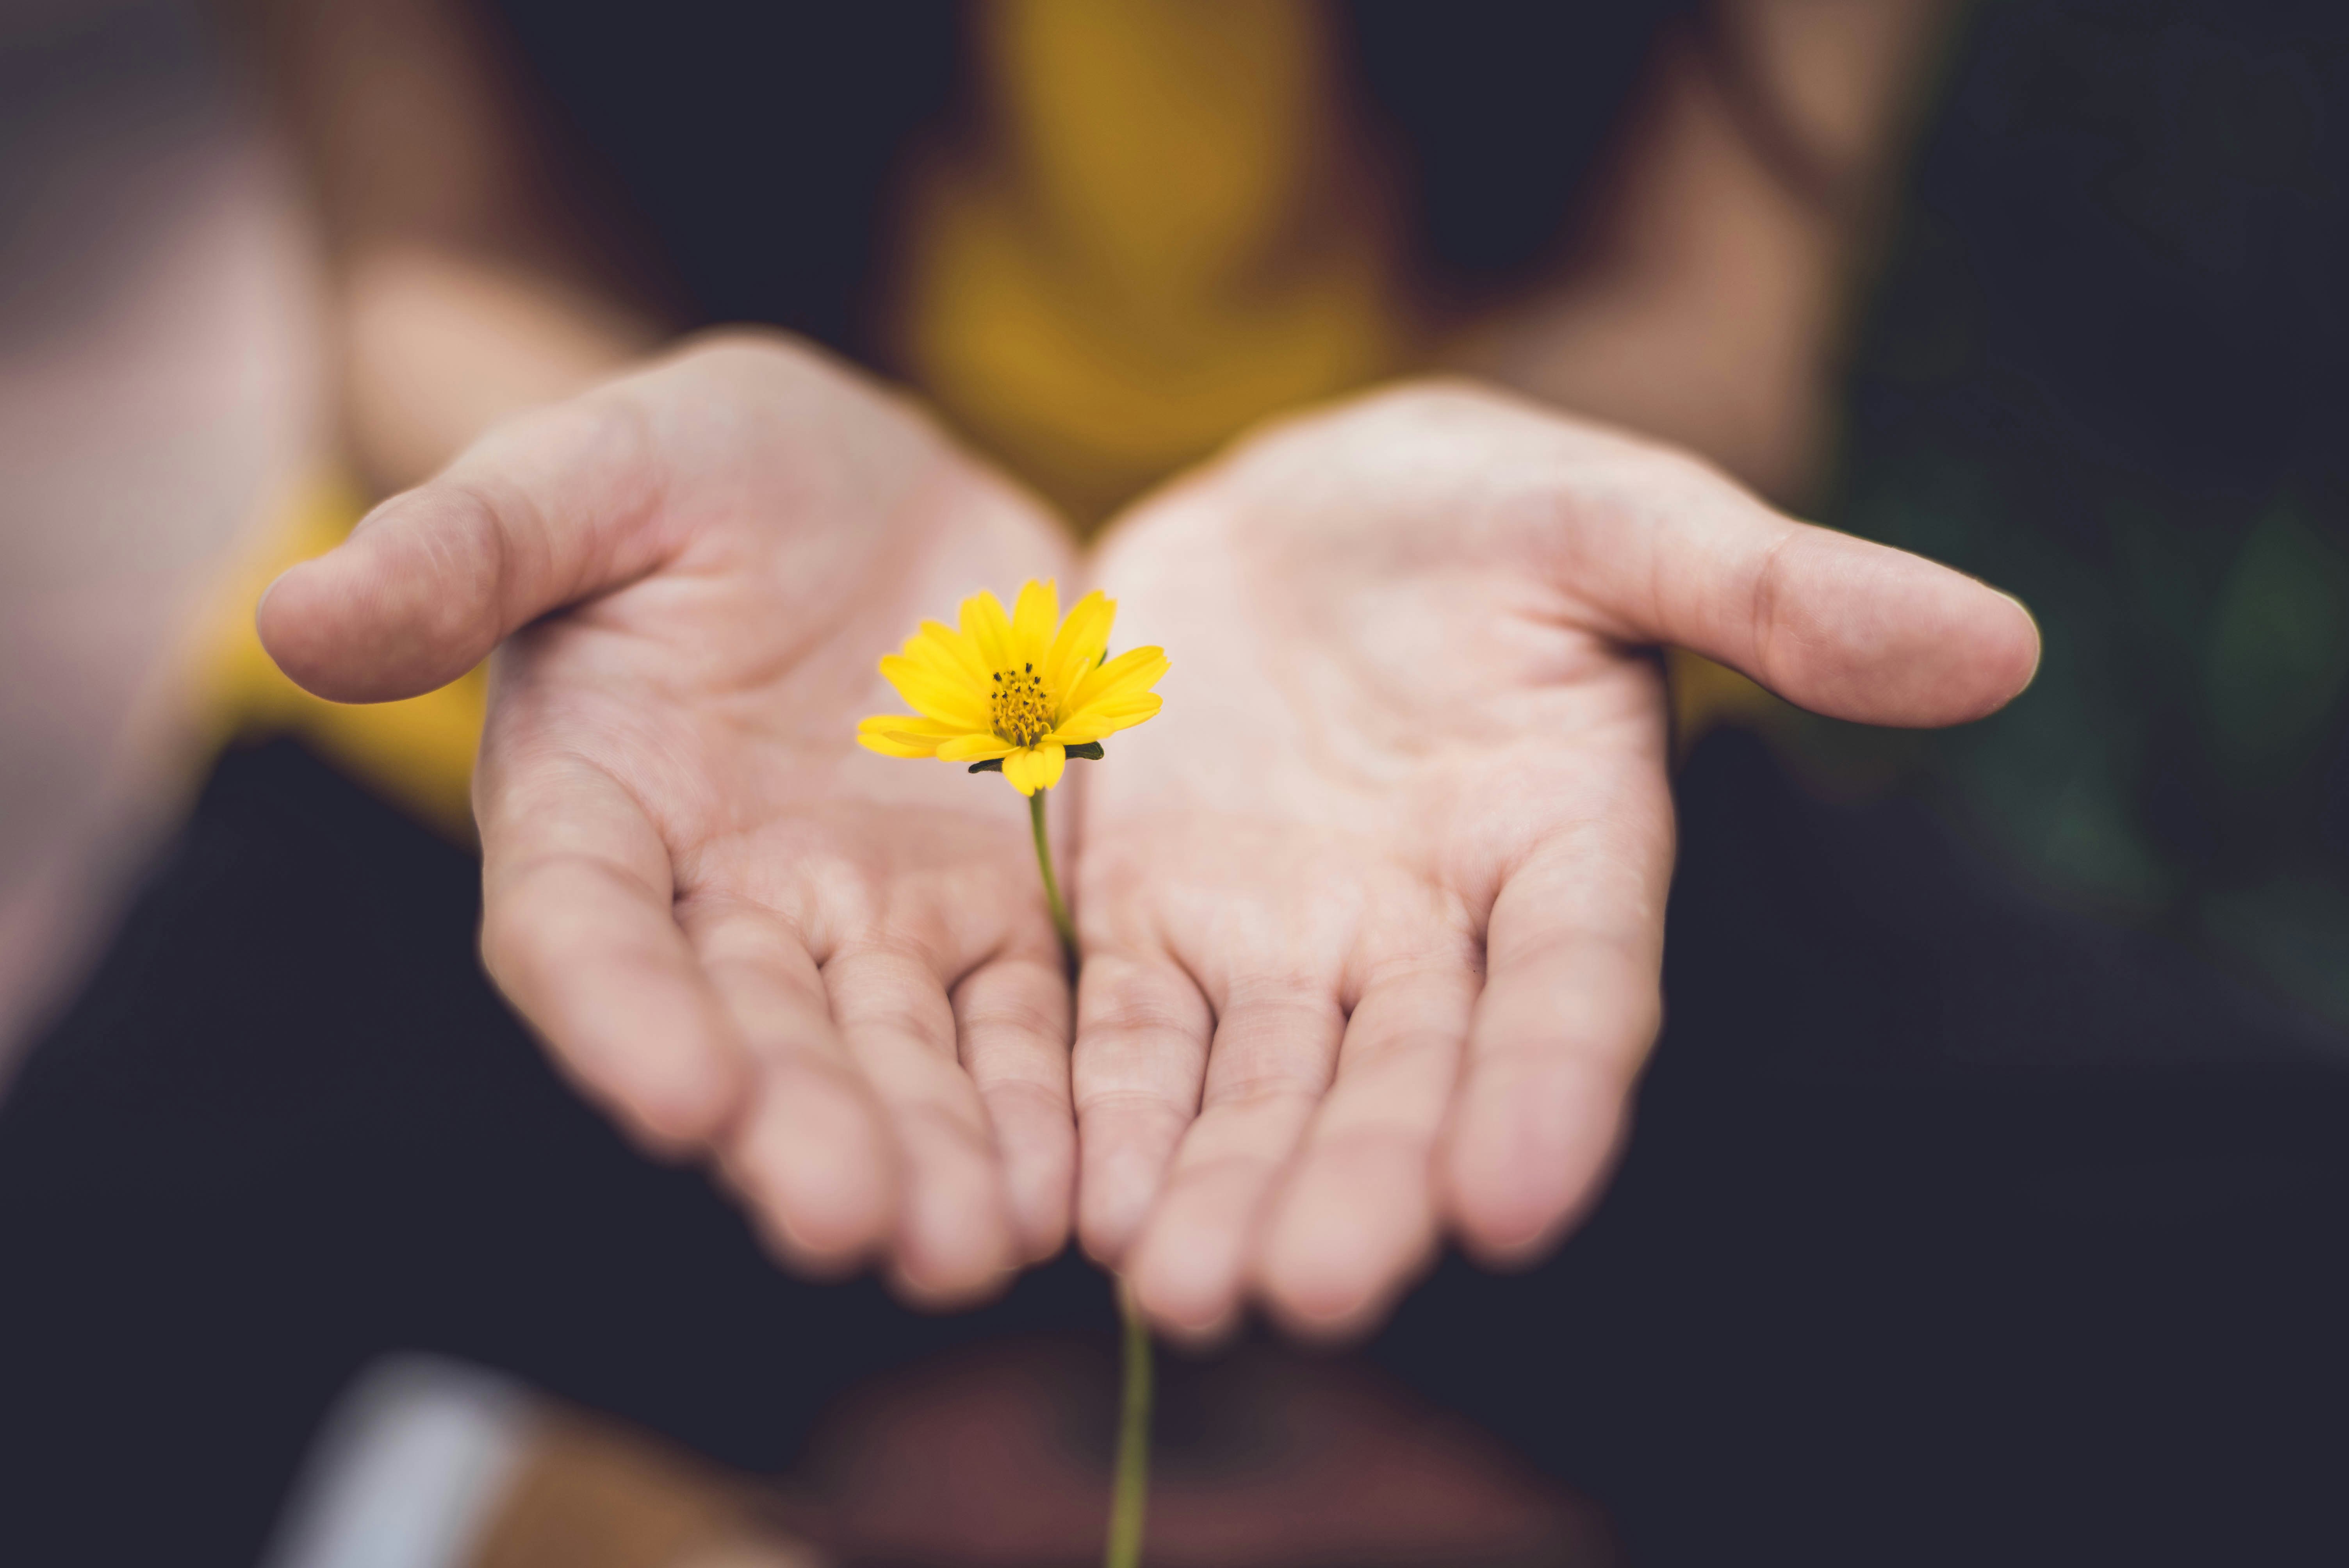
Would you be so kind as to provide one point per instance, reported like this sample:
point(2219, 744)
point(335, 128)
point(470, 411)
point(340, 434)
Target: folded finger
point(955, 1241)
point(812, 1157)
point(1356, 1220)
point(1140, 1056)
point(1275, 1046)
point(1571, 1006)
point(576, 930)
point(1012, 1017)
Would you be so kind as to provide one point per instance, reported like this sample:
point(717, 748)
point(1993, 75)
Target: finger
point(1840, 625)
point(576, 930)
point(813, 1159)
point(954, 1242)
point(1356, 1221)
point(547, 510)
point(1140, 1054)
point(1012, 1017)
point(1274, 1049)
point(1571, 1006)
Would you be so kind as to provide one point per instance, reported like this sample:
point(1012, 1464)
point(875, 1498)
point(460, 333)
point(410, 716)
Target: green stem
point(1051, 883)
point(1131, 1490)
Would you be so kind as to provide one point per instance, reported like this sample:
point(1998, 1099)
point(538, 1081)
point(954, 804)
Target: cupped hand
point(1373, 913)
point(833, 973)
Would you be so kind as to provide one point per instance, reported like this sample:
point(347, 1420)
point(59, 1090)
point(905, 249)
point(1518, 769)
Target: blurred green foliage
point(2277, 650)
point(2107, 369)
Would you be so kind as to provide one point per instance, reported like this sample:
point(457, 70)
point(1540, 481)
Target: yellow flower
point(1011, 691)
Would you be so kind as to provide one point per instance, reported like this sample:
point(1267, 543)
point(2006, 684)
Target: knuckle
point(1025, 1016)
point(507, 945)
point(762, 357)
point(1135, 1008)
point(726, 348)
point(1441, 397)
point(1767, 601)
point(1133, 1106)
point(1268, 1089)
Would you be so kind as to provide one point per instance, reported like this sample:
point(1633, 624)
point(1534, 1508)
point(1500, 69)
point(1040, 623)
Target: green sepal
point(1091, 751)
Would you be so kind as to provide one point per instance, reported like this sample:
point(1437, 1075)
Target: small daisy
point(1021, 694)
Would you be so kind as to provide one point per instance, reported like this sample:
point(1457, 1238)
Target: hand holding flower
point(1016, 694)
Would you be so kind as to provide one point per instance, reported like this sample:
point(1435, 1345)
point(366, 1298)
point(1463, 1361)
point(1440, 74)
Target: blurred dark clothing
point(1099, 240)
point(750, 154)
point(1870, 1287)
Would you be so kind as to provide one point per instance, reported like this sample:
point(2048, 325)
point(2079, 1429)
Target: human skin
point(828, 974)
point(1373, 912)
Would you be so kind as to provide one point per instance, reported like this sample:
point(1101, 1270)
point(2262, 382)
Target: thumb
point(548, 510)
point(1836, 625)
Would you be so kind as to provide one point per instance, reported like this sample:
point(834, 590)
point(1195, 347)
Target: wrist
point(437, 347)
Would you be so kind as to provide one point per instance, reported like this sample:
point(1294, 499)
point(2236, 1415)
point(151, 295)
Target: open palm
point(1374, 913)
point(833, 973)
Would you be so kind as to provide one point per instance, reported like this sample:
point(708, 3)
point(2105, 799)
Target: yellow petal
point(1104, 719)
point(941, 648)
point(989, 629)
point(975, 747)
point(934, 696)
point(1107, 719)
point(896, 735)
point(1078, 731)
point(888, 742)
point(1018, 768)
point(1032, 620)
point(907, 724)
point(1045, 761)
point(1130, 673)
point(932, 662)
point(1078, 647)
point(1124, 713)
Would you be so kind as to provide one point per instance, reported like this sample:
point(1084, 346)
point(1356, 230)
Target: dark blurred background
point(1989, 1190)
point(2106, 371)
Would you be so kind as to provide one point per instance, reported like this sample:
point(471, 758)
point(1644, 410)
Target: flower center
point(1021, 709)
